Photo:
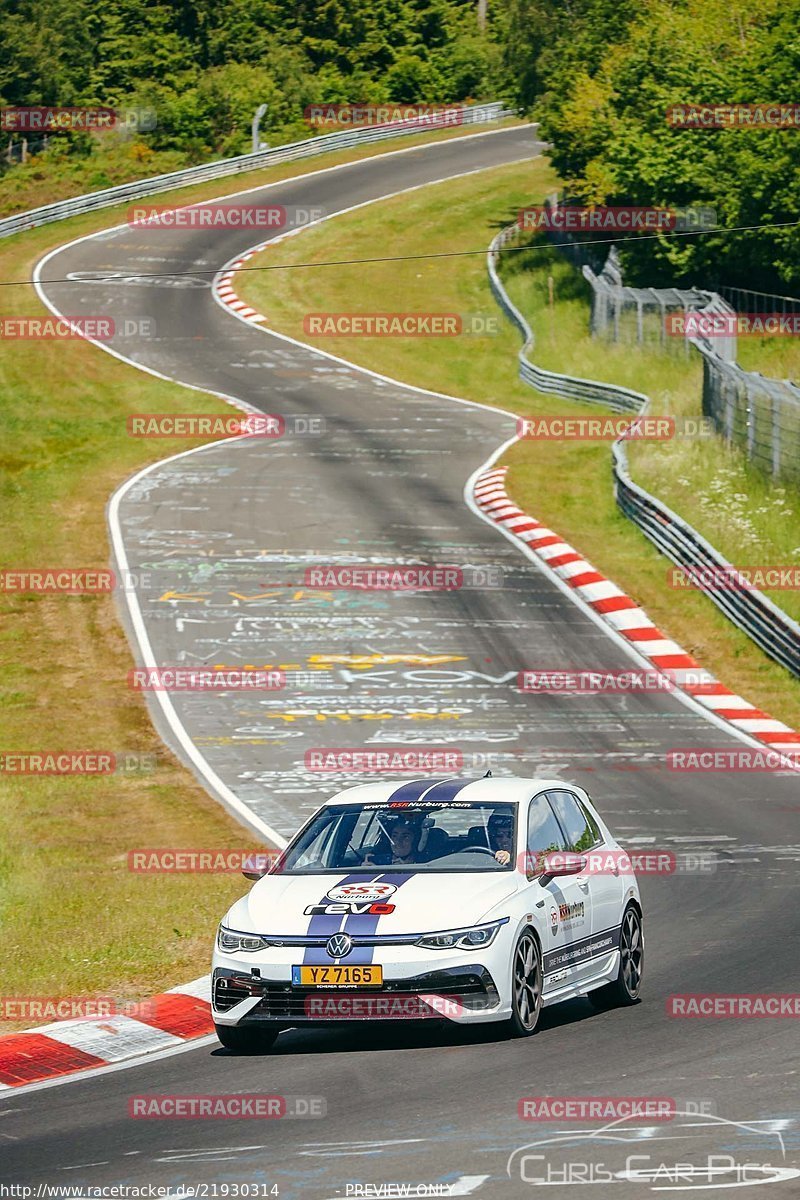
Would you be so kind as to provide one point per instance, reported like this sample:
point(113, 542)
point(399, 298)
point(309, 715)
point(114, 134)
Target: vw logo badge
point(339, 945)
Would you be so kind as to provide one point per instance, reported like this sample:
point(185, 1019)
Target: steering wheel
point(475, 850)
point(359, 855)
point(362, 858)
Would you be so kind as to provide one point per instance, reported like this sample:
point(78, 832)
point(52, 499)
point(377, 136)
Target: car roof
point(491, 790)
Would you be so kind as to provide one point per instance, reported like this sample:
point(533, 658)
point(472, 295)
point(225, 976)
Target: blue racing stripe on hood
point(448, 789)
point(364, 925)
point(323, 925)
point(412, 790)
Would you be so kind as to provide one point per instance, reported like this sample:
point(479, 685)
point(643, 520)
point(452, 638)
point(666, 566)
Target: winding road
point(221, 540)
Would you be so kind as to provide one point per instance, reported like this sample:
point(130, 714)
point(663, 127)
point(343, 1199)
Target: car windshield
point(435, 836)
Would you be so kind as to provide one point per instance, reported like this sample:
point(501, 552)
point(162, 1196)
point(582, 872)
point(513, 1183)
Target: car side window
point(317, 850)
point(595, 828)
point(573, 819)
point(544, 835)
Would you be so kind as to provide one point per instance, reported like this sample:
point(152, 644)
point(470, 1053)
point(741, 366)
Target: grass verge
point(70, 910)
point(567, 485)
point(776, 357)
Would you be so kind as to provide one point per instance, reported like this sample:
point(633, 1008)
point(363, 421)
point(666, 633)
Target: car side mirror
point(555, 866)
point(257, 865)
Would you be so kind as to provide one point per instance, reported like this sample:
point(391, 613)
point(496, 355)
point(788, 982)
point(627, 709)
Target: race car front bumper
point(464, 993)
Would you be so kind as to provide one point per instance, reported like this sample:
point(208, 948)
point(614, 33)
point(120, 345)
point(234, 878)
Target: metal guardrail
point(750, 610)
point(476, 114)
point(769, 626)
point(570, 388)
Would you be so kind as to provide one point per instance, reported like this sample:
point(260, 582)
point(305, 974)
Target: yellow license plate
point(369, 976)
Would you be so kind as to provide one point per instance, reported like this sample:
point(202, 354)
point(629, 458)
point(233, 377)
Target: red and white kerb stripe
point(628, 618)
point(83, 1044)
point(223, 287)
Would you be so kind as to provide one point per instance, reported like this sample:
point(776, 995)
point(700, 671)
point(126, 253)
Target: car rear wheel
point(626, 987)
point(526, 986)
point(245, 1039)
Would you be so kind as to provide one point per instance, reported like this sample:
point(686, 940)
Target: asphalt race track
point(227, 534)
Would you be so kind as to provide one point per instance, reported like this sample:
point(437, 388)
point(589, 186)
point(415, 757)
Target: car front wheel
point(526, 985)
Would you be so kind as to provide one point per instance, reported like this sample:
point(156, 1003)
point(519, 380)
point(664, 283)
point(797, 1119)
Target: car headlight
point(472, 938)
point(229, 941)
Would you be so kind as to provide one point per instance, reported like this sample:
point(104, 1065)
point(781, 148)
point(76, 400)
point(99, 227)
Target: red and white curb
point(224, 289)
point(168, 1020)
point(628, 619)
point(222, 285)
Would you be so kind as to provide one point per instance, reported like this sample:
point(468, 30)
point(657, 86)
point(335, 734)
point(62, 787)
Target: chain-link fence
point(760, 415)
point(628, 314)
point(745, 300)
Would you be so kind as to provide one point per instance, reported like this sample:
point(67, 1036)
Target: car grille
point(283, 1001)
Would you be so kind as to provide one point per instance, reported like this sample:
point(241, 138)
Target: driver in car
point(501, 833)
point(403, 838)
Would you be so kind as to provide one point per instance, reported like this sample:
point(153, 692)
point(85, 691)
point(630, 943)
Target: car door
point(601, 882)
point(564, 903)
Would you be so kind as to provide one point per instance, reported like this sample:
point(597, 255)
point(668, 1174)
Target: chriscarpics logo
point(701, 1152)
point(369, 898)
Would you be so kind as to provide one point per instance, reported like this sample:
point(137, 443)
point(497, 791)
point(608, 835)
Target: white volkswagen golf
point(464, 900)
